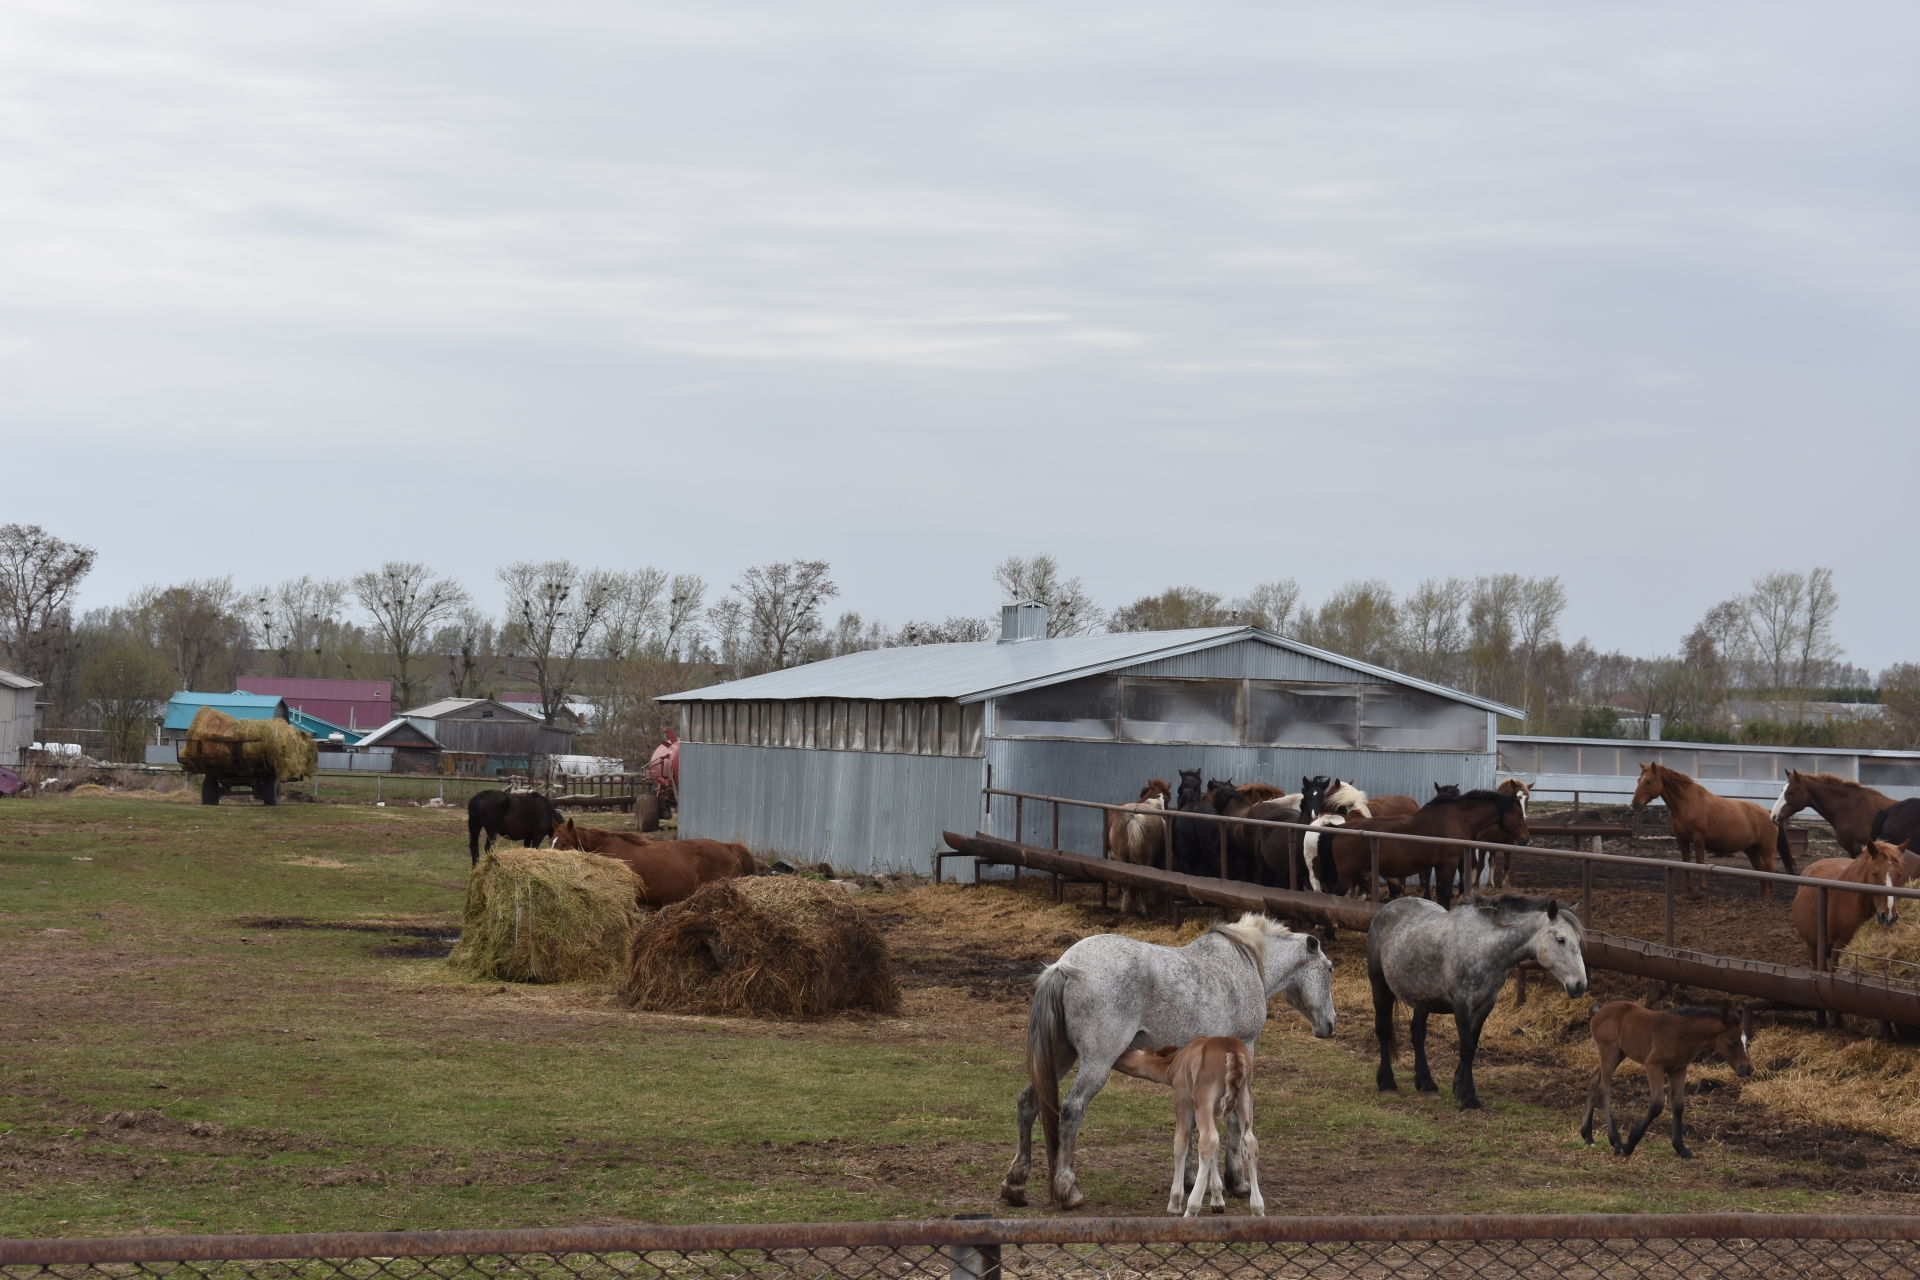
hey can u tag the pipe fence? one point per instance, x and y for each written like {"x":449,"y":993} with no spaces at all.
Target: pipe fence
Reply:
{"x":1483,"y":1247}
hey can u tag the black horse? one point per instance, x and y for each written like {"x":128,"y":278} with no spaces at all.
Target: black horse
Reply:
{"x":526,"y":816}
{"x":1897,"y":822}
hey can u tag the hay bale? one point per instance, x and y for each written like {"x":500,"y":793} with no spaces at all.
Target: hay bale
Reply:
{"x":767,"y":947}
{"x":1875,"y":949}
{"x":90,"y":789}
{"x":546,"y":915}
{"x":223,"y":747}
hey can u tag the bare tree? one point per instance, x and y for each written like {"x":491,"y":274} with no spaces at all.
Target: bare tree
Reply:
{"x":1816,"y":649}
{"x":197,"y":626}
{"x":298,"y":621}
{"x":1070,"y":610}
{"x":1271,"y":606}
{"x":954,"y":629}
{"x":1771,"y":612}
{"x":469,"y":644}
{"x":38,"y":574}
{"x":1359,"y":620}
{"x":1434,"y":628}
{"x":686,"y":596}
{"x":128,"y":682}
{"x":556,"y":612}
{"x":405,"y":600}
{"x":1175,"y":609}
{"x":1537,"y":621}
{"x":636,"y":614}
{"x":727,"y":624}
{"x":783,"y":602}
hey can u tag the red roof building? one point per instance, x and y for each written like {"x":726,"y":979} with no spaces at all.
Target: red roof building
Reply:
{"x":351,"y":704}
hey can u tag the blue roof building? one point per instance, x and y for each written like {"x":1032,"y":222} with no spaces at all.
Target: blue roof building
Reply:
{"x":323,"y":731}
{"x":185,"y":705}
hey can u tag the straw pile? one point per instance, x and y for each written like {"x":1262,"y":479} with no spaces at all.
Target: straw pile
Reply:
{"x":767,"y":947}
{"x":1872,"y":942}
{"x":218,"y":744}
{"x":546,"y":915}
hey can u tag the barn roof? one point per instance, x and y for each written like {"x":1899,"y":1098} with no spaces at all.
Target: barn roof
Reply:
{"x":11,"y":681}
{"x":185,"y":705}
{"x":447,"y":706}
{"x":976,"y":671}
{"x":398,"y":733}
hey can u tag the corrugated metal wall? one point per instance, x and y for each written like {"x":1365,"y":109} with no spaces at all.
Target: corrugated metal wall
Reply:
{"x":1115,"y":771}
{"x":865,"y":811}
{"x":1251,"y":660}
{"x":16,"y":723}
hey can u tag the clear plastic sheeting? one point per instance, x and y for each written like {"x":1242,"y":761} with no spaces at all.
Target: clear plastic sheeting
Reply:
{"x":1181,"y":711}
{"x":1077,"y":709}
{"x":1400,"y":719}
{"x":1889,"y":773}
{"x":1303,"y":715}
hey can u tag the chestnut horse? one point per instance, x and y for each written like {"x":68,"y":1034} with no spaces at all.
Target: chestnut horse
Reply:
{"x":1705,"y":823}
{"x":669,"y":870}
{"x":1848,"y":807}
{"x":1880,"y":864}
{"x":1486,"y":814}
{"x":1666,"y":1043}
{"x":1136,"y":834}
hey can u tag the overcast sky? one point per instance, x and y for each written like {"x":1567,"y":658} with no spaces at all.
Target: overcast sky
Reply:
{"x":1180,"y":293}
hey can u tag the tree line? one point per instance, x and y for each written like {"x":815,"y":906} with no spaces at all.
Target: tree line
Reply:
{"x":620,"y":637}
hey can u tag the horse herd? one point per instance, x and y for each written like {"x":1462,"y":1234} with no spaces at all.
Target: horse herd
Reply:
{"x":1335,"y":859}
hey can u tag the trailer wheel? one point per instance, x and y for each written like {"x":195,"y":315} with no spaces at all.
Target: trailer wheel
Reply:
{"x":268,"y":791}
{"x":209,"y":790}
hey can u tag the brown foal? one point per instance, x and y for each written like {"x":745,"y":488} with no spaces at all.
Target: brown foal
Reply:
{"x":1212,"y":1078}
{"x":1665,"y":1043}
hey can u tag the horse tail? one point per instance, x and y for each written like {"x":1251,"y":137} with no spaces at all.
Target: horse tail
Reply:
{"x":1785,"y":849}
{"x":1879,"y":828}
{"x":1049,"y":1052}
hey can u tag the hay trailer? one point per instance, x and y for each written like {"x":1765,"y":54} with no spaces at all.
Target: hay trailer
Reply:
{"x":246,"y":755}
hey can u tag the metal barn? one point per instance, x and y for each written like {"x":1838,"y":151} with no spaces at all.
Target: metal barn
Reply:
{"x":17,"y":716}
{"x":862,"y":760}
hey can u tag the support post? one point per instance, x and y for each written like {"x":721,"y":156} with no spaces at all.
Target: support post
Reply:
{"x":1822,"y":944}
{"x":1666,"y":877}
{"x":1373,"y":883}
{"x":1223,"y":851}
{"x":1586,"y":895}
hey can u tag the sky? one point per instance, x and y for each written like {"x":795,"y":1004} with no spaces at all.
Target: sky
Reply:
{"x":1209,"y":294}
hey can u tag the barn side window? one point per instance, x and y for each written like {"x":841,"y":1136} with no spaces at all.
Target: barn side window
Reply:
{"x":1397,"y":718}
{"x":796,"y":717}
{"x":949,"y":729}
{"x":856,"y":726}
{"x":1181,"y":710}
{"x":1303,"y":715}
{"x":1076,"y":709}
{"x":973,"y":721}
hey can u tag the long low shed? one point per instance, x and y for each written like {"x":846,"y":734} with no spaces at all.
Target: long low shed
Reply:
{"x":863,"y":760}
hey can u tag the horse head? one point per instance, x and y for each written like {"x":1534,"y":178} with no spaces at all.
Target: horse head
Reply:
{"x":1650,"y":786}
{"x":1451,"y":790}
{"x":1794,"y":797}
{"x":1313,"y":796}
{"x":1556,"y":934}
{"x":1190,"y":788}
{"x":1736,"y":1033}
{"x":1511,"y":819}
{"x":1156,"y":787}
{"x":1883,"y":865}
{"x":566,"y":835}
{"x":1292,"y":964}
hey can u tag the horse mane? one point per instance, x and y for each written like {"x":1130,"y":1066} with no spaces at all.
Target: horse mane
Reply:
{"x":1499,"y":799}
{"x":1155,"y":786}
{"x":1346,"y":793}
{"x":1723,"y":1012}
{"x":1249,"y":933}
{"x":1515,"y":904}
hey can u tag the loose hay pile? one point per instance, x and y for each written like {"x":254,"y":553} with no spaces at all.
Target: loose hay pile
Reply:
{"x":228,"y":748}
{"x":768,"y":947}
{"x":546,"y":915}
{"x":1879,"y":952}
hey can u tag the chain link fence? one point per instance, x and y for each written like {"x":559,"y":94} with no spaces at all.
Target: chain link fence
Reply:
{"x":1568,"y":1247}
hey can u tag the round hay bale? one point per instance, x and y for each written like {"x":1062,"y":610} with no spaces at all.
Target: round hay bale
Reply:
{"x":764,"y":947}
{"x":546,"y":915}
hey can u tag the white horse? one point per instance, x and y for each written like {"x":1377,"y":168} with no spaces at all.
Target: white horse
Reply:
{"x":1455,"y":961}
{"x":1111,"y":993}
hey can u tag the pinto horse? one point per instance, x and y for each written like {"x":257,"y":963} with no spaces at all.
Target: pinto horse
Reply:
{"x":1879,"y":863}
{"x":669,"y":870}
{"x":526,"y":816}
{"x":1486,"y":814}
{"x":1135,"y":834}
{"x":1705,"y":823}
{"x":1665,"y":1043}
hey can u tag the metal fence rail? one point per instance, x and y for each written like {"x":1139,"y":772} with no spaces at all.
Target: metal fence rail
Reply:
{"x":1497,"y":1247}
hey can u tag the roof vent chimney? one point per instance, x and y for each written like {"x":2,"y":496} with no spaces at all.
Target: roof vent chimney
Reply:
{"x":1026,"y":620}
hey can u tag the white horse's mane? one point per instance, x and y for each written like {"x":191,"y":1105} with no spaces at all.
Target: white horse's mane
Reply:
{"x":1348,"y":796}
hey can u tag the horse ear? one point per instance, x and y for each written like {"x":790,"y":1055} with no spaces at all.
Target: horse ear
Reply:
{"x":1305,"y":782}
{"x":1553,"y":909}
{"x":1313,"y":942}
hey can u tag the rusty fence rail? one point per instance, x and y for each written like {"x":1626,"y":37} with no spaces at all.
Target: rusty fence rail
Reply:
{"x":1496,"y":1247}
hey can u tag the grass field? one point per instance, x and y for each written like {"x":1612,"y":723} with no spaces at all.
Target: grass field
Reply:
{"x":226,"y":1020}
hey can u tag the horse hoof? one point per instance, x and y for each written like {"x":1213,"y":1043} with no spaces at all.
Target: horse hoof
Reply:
{"x":1470,"y":1104}
{"x":1425,"y":1086}
{"x":1683,"y":1153}
{"x":1013,"y":1195}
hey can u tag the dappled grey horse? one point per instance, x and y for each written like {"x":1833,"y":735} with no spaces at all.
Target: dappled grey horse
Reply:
{"x":1455,"y":961}
{"x":1111,"y":993}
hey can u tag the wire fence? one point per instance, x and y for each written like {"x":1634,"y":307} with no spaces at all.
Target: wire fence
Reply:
{"x":1545,"y":1247}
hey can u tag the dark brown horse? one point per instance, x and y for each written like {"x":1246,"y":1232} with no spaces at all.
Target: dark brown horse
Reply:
{"x":669,"y":870}
{"x":1705,"y":823}
{"x":1848,"y":807}
{"x":1877,"y":864}
{"x":1486,"y":814}
{"x":526,"y":816}
{"x":1666,"y":1043}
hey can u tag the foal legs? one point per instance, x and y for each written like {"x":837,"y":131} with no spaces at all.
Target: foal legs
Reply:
{"x":1657,"y":1087}
{"x":1677,"y":1096}
{"x":1602,"y":1091}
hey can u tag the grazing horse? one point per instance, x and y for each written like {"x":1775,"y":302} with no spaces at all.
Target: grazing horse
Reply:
{"x":1665,"y":1043}
{"x":1485,"y":814}
{"x":1212,"y":1078}
{"x":1705,"y":823}
{"x":669,"y":870}
{"x":526,"y":816}
{"x":1454,"y":961}
{"x":1111,"y":993}
{"x":1879,"y":863}
{"x":1848,"y":807}
{"x":1136,"y":834}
